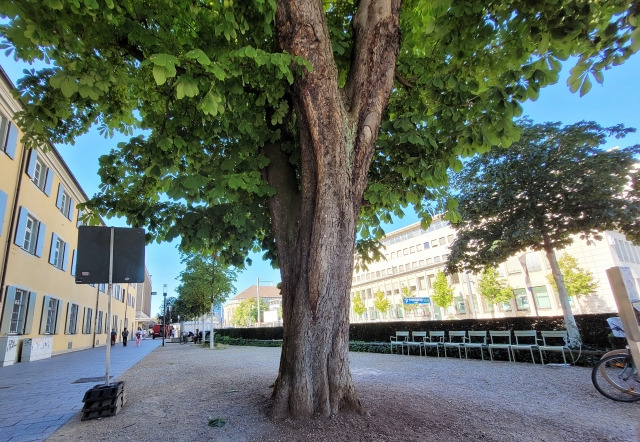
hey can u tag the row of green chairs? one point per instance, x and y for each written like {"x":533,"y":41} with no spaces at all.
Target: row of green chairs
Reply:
{"x":527,"y":340}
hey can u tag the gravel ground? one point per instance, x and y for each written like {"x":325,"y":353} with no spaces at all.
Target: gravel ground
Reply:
{"x":172,"y":393}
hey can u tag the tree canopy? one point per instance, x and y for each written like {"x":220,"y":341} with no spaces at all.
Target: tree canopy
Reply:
{"x":552,"y":184}
{"x":577,"y":281}
{"x":493,"y":288}
{"x":203,"y":282}
{"x":210,"y":88}
{"x":442,"y":291}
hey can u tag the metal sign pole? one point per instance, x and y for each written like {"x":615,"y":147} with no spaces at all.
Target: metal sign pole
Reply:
{"x":106,"y":379}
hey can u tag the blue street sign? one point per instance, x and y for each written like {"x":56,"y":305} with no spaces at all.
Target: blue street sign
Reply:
{"x":416,"y":301}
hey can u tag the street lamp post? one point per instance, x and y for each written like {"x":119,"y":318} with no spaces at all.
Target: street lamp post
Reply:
{"x":258,"y":293}
{"x":164,"y":316}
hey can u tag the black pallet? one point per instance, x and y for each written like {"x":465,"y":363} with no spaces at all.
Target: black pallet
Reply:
{"x":102,"y":392}
{"x":105,"y":412}
{"x":105,"y":403}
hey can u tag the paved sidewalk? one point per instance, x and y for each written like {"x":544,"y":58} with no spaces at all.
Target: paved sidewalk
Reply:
{"x":37,"y":397}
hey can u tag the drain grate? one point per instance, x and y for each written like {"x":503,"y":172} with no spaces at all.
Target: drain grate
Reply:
{"x":87,"y":380}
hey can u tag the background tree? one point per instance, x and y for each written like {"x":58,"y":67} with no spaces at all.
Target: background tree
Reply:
{"x":442,"y":292}
{"x":358,"y":305}
{"x":577,"y":281}
{"x":493,"y":288}
{"x":246,"y":313}
{"x":381,"y":303}
{"x":171,"y":301}
{"x":203,"y":282}
{"x":294,"y":125}
{"x":408,"y":293}
{"x":553,"y":183}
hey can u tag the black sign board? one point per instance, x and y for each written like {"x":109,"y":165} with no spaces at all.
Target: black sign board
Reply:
{"x":94,"y":245}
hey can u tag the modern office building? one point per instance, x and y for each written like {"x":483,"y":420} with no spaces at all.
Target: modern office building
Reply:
{"x":414,"y":256}
{"x":39,"y":298}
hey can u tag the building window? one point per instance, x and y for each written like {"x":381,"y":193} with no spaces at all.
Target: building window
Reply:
{"x":443,"y":241}
{"x":8,"y":136}
{"x":64,"y":202}
{"x":29,"y":233}
{"x":533,"y":262}
{"x":426,"y":245}
{"x":72,"y":319}
{"x":434,"y":243}
{"x":454,"y":278}
{"x":99,"y":323}
{"x":58,"y":254}
{"x":88,"y":316}
{"x":522,"y":303}
{"x":450,"y":239}
{"x":50,"y":317}
{"x":542,"y":297}
{"x":419,"y":248}
{"x":18,"y":311}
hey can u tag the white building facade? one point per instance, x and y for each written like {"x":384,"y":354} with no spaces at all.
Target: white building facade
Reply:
{"x":414,"y":256}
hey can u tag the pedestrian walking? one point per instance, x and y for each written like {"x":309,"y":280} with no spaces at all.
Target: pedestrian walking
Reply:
{"x":114,"y":335}
{"x":138,"y":336}
{"x":125,"y":335}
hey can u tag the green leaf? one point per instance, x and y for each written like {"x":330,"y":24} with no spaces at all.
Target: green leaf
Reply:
{"x":586,"y":87}
{"x":200,"y":56}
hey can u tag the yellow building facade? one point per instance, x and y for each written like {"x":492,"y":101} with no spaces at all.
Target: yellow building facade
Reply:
{"x":39,"y":298}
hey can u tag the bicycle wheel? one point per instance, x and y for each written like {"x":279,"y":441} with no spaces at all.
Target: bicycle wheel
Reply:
{"x":616,"y":378}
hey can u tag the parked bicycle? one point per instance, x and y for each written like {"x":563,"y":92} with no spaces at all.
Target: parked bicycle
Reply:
{"x":615,"y":376}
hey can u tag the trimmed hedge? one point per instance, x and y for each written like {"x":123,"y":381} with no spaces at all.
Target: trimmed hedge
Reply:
{"x":593,"y":329}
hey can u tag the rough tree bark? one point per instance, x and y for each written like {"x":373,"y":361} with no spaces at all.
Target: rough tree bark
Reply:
{"x":314,"y":219}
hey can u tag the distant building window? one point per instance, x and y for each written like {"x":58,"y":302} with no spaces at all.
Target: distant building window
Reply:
{"x":18,"y":311}
{"x":426,"y":245}
{"x":88,"y":316}
{"x":99,"y":323}
{"x":72,"y":319}
{"x":52,"y":306}
{"x":30,"y":233}
{"x":542,"y":297}
{"x":8,"y":136}
{"x":58,"y":255}
{"x":522,"y":303}
{"x":64,"y":202}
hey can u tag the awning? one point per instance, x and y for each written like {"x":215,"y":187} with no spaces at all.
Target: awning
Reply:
{"x":142,"y":317}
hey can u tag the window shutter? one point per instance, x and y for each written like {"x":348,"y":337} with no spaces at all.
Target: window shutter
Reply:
{"x":72,"y":205}
{"x":31,"y":167}
{"x":58,"y":316}
{"x":3,"y":207}
{"x":49,"y":182}
{"x":65,"y":255}
{"x":73,"y":263}
{"x":67,"y":323}
{"x":12,"y":140}
{"x":6,"y":317}
{"x":43,"y":318}
{"x":52,"y":251}
{"x":22,"y":226}
{"x":41,"y":231}
{"x":28,"y":323}
{"x":59,"y":198}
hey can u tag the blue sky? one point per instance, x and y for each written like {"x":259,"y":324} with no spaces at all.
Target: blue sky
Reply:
{"x":614,"y":102}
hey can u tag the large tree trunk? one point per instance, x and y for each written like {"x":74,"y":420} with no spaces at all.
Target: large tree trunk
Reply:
{"x":314,"y":215}
{"x":575,"y":340}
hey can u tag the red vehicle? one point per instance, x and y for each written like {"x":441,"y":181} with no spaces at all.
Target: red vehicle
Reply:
{"x":157,"y":331}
